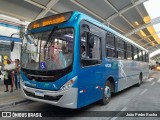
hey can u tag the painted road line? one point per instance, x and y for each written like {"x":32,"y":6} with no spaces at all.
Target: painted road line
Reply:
{"x":153,"y":83}
{"x":150,"y":79}
{"x":158,"y":80}
{"x":114,"y":118}
{"x":145,"y":90}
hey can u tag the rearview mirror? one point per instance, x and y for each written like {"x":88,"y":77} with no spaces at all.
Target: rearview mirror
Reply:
{"x":91,"y":41}
{"x":12,"y":45}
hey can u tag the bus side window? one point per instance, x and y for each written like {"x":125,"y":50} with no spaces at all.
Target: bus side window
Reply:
{"x":110,"y":45}
{"x":90,"y":49}
{"x":147,"y":57}
{"x":129,"y":51}
{"x":135,"y":53}
{"x":83,"y":49}
{"x":144,"y":56}
{"x":94,"y":47}
{"x":140,"y":55}
{"x":120,"y":49}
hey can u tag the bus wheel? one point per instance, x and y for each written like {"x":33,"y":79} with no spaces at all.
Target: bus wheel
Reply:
{"x":106,"y":94}
{"x":140,"y":80}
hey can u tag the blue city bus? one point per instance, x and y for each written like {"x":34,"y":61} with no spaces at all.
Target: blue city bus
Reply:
{"x":71,"y":60}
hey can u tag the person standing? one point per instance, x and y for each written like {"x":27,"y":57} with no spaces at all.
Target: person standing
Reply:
{"x":83,"y":52}
{"x":8,"y":75}
{"x":17,"y":74}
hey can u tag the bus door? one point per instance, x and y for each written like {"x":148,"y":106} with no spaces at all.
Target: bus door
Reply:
{"x":90,"y":75}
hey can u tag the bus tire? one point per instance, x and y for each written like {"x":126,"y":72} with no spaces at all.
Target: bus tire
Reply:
{"x":140,"y":80}
{"x":106,"y":93}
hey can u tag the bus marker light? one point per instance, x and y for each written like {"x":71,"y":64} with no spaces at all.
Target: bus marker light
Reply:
{"x":98,"y":87}
{"x":82,"y":91}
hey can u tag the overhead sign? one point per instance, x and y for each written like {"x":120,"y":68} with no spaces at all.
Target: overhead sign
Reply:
{"x":55,"y":19}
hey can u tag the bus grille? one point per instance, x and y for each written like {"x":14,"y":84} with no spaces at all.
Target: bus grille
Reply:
{"x":46,"y":97}
{"x":46,"y":76}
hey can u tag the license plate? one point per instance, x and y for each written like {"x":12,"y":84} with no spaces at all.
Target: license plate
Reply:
{"x":39,"y":93}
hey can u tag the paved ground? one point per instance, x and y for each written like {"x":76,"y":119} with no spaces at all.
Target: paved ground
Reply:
{"x":143,"y":98}
{"x":8,"y":98}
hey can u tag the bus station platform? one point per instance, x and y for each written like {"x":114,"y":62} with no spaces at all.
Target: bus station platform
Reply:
{"x":8,"y":99}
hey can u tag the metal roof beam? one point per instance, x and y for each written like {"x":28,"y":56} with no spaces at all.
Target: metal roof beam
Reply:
{"x":143,"y":44}
{"x":86,"y":9}
{"x":111,"y":6}
{"x":3,"y":17}
{"x":139,"y":12}
{"x":146,"y":38}
{"x":147,"y":44}
{"x":116,"y":28}
{"x":40,"y":6}
{"x":75,"y":2}
{"x":149,"y":35}
{"x":127,"y":21}
{"x":48,"y":8}
{"x":152,"y":47}
{"x":94,"y":14}
{"x":118,"y":12}
{"x":137,"y":9}
{"x":122,"y":15}
{"x":123,"y":10}
{"x":152,"y":22}
{"x":15,"y":15}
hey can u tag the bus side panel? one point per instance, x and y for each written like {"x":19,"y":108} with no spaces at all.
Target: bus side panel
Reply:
{"x":145,"y":70}
{"x":129,"y":72}
{"x":111,"y":70}
{"x":90,"y":82}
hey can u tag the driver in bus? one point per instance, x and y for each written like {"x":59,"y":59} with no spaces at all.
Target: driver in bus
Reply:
{"x":83,"y":52}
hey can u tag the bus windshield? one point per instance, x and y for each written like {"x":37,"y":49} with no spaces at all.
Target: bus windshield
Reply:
{"x":41,"y":52}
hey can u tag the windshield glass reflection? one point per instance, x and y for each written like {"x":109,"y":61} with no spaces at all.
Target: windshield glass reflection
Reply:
{"x":39,"y":52}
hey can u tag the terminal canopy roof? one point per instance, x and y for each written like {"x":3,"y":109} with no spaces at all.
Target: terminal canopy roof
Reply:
{"x":129,"y":17}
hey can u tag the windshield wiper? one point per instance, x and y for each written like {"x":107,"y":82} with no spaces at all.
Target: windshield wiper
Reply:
{"x":49,"y":39}
{"x":50,"y":35}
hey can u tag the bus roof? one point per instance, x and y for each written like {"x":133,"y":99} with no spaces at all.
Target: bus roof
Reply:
{"x":110,"y":30}
{"x":63,"y":17}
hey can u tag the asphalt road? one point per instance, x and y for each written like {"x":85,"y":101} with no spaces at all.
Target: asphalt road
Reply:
{"x":144,"y":98}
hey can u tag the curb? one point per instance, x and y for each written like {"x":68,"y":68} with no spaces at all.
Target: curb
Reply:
{"x":13,"y":103}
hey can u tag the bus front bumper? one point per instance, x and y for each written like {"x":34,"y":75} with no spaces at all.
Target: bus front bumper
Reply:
{"x":66,"y":99}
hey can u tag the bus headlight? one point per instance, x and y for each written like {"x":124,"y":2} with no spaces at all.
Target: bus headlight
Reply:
{"x":68,"y":84}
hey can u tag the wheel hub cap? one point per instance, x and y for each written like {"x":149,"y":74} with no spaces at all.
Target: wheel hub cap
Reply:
{"x":107,"y":92}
